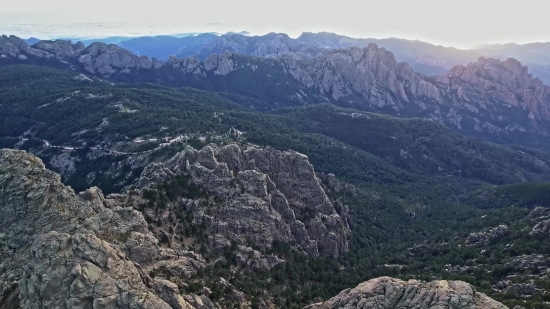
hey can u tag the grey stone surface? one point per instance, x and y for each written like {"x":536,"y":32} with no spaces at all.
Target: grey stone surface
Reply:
{"x":389,"y":293}
{"x":486,"y":236}
{"x":265,"y":195}
{"x":59,"y":249}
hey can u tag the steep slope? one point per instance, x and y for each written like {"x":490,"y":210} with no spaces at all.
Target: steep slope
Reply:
{"x":266,"y":196}
{"x":388,"y":293}
{"x":506,"y":83}
{"x":535,"y":55}
{"x":192,"y":44}
{"x":489,"y":98}
{"x":370,"y":72}
{"x":402,"y":196}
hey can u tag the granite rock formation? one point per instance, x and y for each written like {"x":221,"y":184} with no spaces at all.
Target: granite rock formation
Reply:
{"x":65,"y":250}
{"x":371,"y":72}
{"x":264,"y":196}
{"x":491,"y":82}
{"x":389,"y":293}
{"x":270,"y":45}
{"x":540,"y":217}
{"x":486,"y":236}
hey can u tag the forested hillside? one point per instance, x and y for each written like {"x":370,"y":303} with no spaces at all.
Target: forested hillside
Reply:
{"x":416,"y":190}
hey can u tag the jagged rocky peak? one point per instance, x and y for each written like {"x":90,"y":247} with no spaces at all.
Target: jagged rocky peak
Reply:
{"x":389,"y":293}
{"x":488,"y":96}
{"x":219,"y":64}
{"x":11,"y":46}
{"x":107,"y":59}
{"x":60,"y":47}
{"x":15,"y":47}
{"x":65,"y":250}
{"x":264,"y":195}
{"x":499,"y":82}
{"x":371,"y":72}
{"x":277,"y":44}
{"x":269,"y":45}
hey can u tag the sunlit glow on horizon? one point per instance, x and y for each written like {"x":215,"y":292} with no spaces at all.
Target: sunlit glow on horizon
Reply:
{"x":465,"y":24}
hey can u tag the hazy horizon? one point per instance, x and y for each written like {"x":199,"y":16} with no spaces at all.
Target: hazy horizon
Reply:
{"x":463,"y":25}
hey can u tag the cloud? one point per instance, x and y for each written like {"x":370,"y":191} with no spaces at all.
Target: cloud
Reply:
{"x":214,"y":24}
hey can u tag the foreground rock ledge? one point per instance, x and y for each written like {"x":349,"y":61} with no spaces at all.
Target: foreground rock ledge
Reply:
{"x":389,"y":293}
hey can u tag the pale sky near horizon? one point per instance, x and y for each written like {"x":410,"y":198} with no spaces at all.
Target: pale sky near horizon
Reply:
{"x":461,"y":24}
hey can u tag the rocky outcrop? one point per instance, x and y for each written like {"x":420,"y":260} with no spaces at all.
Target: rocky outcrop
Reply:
{"x":520,"y":289}
{"x":253,"y":259}
{"x":8,"y":48}
{"x":389,"y":293}
{"x":540,"y":216}
{"x":487,"y":236}
{"x":222,"y":64}
{"x":60,"y":48}
{"x":14,"y":47}
{"x":371,"y":72}
{"x":59,"y":249}
{"x":64,"y":164}
{"x":537,"y":263}
{"x":264,"y":196}
{"x":541,"y":228}
{"x":82,"y":271}
{"x":496,"y":82}
{"x":107,"y":59}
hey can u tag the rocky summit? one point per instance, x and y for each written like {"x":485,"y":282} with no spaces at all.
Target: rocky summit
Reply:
{"x":496,"y":82}
{"x":264,"y":196}
{"x":389,"y":293}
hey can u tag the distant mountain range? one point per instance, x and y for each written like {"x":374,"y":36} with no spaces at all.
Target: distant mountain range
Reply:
{"x":492,"y":99}
{"x":425,"y":58}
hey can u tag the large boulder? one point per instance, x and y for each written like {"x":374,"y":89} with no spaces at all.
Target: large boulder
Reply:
{"x":390,"y":293}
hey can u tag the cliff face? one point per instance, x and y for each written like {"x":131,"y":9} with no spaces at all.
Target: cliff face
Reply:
{"x":491,"y":81}
{"x":389,"y":293}
{"x":371,"y":72}
{"x":264,"y":196}
{"x":480,"y":88}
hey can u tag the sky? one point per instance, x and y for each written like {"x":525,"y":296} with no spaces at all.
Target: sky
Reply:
{"x":462,"y":24}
